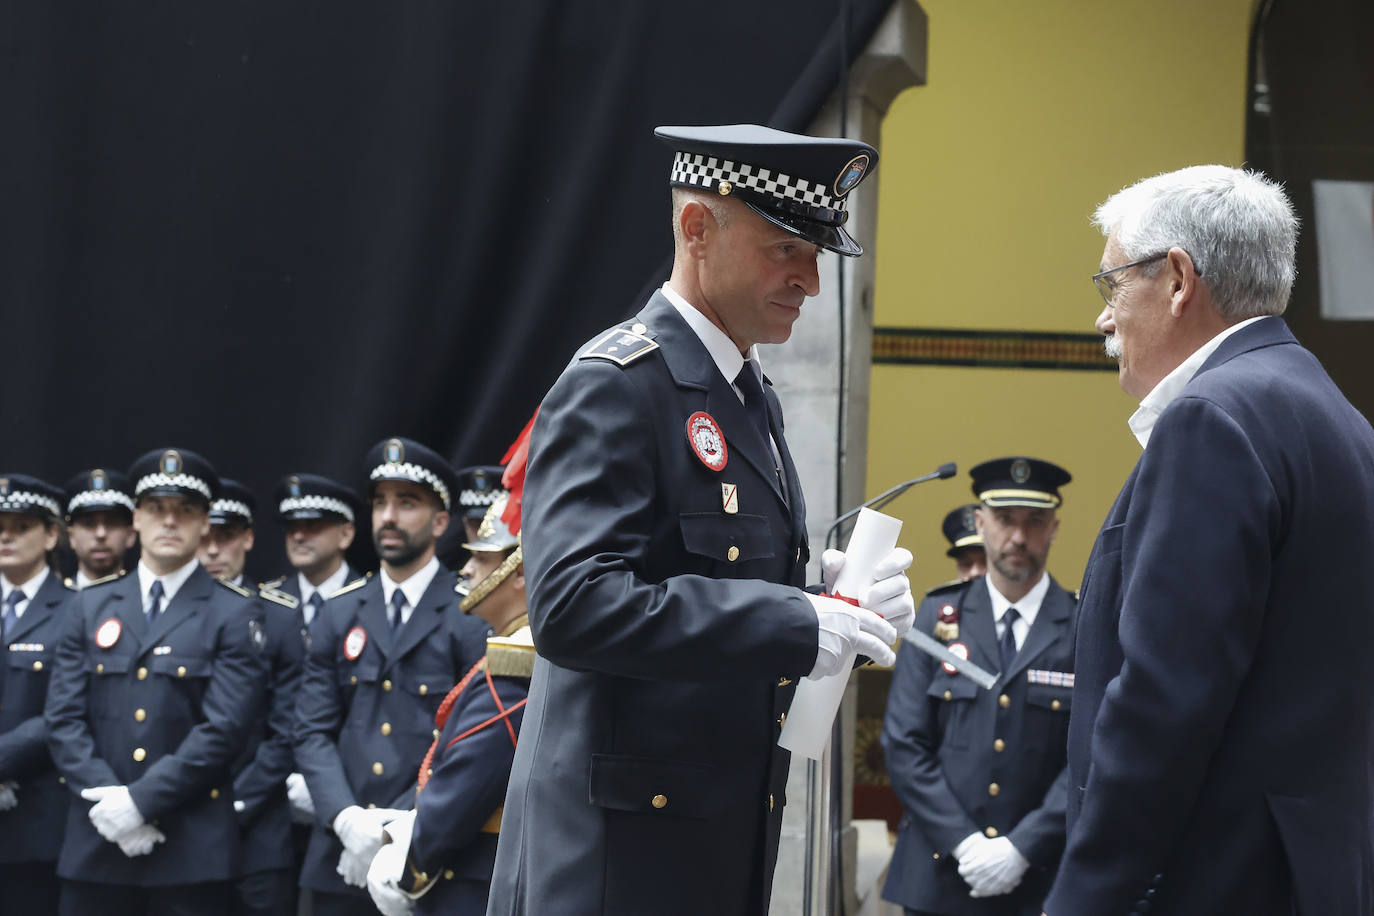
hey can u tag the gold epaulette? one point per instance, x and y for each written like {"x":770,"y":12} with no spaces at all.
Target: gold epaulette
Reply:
{"x":280,"y":597}
{"x":948,"y":586}
{"x":105,"y":580}
{"x":511,"y":656}
{"x":355,"y":584}
{"x":239,"y":589}
{"x":621,"y":346}
{"x":273,"y":583}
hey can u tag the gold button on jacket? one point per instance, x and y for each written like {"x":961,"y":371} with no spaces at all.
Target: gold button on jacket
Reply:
{"x":659,"y":801}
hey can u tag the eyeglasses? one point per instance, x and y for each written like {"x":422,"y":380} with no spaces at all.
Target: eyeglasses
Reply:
{"x":1107,"y":288}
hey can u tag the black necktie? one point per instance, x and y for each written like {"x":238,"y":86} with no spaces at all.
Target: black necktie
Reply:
{"x":12,"y":611}
{"x":1008,"y":638}
{"x":154,"y":600}
{"x":398,"y":601}
{"x":754,"y":403}
{"x":316,"y":602}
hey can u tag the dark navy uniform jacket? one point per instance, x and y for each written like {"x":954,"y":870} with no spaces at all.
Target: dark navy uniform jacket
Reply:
{"x":965,"y":760}
{"x":364,"y":725}
{"x":268,"y":758}
{"x":670,"y":633}
{"x":459,"y":810}
{"x":32,"y":830}
{"x":1219,"y":749}
{"x":164,"y":711}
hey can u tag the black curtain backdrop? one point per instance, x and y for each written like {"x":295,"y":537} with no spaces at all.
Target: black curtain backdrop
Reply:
{"x":275,"y":233}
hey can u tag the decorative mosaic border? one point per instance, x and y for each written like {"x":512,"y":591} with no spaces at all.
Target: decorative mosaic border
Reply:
{"x":990,"y":349}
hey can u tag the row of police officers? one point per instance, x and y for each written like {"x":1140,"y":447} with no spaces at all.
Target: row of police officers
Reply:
{"x":174,"y":742}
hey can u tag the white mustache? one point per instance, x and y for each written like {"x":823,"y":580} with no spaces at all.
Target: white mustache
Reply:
{"x":1112,"y":346}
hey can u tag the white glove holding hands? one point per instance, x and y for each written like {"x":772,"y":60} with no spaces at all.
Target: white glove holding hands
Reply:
{"x":140,"y":841}
{"x":114,"y":812}
{"x":889,"y":594}
{"x":844,"y":630}
{"x":298,"y":794}
{"x":352,"y":868}
{"x":8,"y":798}
{"x":993,"y":867}
{"x":382,"y":875}
{"x":360,"y":831}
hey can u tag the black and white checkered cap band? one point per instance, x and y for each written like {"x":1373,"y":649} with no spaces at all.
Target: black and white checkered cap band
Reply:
{"x":476,"y":498}
{"x":99,"y":498}
{"x":179,"y":481}
{"x":416,"y":473}
{"x":24,"y":501}
{"x":317,"y":503}
{"x":708,"y":172}
{"x":231,"y":507}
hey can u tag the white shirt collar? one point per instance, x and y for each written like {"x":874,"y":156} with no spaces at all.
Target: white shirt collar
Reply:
{"x":328,"y":587}
{"x":1029,"y":605}
{"x":171,"y":583}
{"x":1142,"y":422}
{"x":723,"y":351}
{"x":413,"y":588}
{"x":29,"y":589}
{"x":82,"y":580}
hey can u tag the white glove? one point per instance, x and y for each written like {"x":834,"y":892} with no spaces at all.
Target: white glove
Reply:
{"x":387,"y":867}
{"x":844,"y":630}
{"x":140,"y":841}
{"x":7,"y":797}
{"x":993,"y":868}
{"x":888,"y":595}
{"x":360,"y":831}
{"x":298,"y":794}
{"x":114,"y":812}
{"x":352,"y":868}
{"x":967,"y":845}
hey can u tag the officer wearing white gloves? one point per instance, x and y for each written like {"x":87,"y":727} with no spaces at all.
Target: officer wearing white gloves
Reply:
{"x":980,"y":773}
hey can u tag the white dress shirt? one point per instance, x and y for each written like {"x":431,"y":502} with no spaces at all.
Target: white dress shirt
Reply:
{"x":413,"y":588}
{"x":171,"y":583}
{"x":1027,"y":608}
{"x":327,"y":587}
{"x":1142,"y":422}
{"x":28,"y":590}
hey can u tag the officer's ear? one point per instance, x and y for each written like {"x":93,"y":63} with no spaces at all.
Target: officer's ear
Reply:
{"x":440,"y":523}
{"x":248,"y":540}
{"x":517,"y":578}
{"x":694,"y":222}
{"x":346,"y":534}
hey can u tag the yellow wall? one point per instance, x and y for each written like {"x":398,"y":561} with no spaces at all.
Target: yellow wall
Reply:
{"x":1034,"y":112}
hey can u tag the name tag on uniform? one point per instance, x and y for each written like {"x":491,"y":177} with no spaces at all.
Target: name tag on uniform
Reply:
{"x":26,"y":647}
{"x":1050,"y":678}
{"x":162,"y":650}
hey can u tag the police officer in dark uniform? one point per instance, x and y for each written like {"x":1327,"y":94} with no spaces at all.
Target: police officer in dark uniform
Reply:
{"x":446,"y":867}
{"x":224,"y":551}
{"x":33,"y":802}
{"x":981,"y":773}
{"x":156,"y":682}
{"x":100,"y":523}
{"x":383,"y":653}
{"x":960,"y":528}
{"x":479,"y":487}
{"x":665,"y":550}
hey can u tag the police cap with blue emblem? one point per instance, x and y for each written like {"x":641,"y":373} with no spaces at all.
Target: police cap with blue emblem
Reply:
{"x":961,"y":529}
{"x":99,"y":490}
{"x":233,"y":505}
{"x":308,"y":496}
{"x":479,"y":488}
{"x":22,"y":494}
{"x":1019,"y":482}
{"x":174,"y":472}
{"x":406,"y":459}
{"x":797,"y":182}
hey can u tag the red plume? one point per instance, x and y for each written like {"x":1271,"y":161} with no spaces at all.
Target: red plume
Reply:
{"x":514,"y":477}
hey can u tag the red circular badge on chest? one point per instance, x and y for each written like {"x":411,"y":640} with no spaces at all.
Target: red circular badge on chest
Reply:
{"x":107,"y":634}
{"x":958,"y":649}
{"x":354,"y":643}
{"x":706,"y":439}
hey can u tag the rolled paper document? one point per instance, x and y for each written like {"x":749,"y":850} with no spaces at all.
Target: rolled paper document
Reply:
{"x":812,"y":716}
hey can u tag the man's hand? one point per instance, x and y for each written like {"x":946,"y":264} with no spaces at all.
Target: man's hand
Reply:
{"x":888,"y":595}
{"x":352,"y":868}
{"x":993,"y":868}
{"x":114,"y":812}
{"x":8,"y":799}
{"x":382,"y":876}
{"x":298,"y":794}
{"x":360,"y":831}
{"x":140,"y":841}
{"x":844,"y":630}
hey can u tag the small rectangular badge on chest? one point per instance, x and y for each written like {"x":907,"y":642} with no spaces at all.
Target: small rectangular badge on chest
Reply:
{"x":162,"y":650}
{"x":729,"y":497}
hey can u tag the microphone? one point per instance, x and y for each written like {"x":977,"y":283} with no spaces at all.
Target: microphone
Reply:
{"x":943,"y":472}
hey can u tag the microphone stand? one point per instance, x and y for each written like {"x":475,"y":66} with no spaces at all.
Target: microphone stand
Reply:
{"x":943,"y":472}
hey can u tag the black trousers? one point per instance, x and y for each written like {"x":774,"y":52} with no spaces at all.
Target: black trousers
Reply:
{"x":84,"y":898}
{"x":343,"y":904}
{"x":266,"y":893}
{"x":29,"y":888}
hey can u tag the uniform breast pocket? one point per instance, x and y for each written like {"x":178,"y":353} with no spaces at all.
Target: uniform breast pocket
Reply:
{"x":954,"y":698}
{"x":31,"y":661}
{"x":1047,"y":715}
{"x":727,"y":538}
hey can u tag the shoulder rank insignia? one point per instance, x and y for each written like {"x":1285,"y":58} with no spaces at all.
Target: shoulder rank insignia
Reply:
{"x":949,"y":586}
{"x":238,"y":589}
{"x":621,"y":346}
{"x":105,"y":580}
{"x":279,"y":597}
{"x":355,"y":584}
{"x":511,"y":656}
{"x":273,"y":583}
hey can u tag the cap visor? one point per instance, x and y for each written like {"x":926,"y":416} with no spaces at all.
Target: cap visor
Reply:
{"x":831,"y":238}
